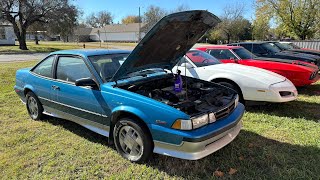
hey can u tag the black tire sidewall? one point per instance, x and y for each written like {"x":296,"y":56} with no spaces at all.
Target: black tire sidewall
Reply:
{"x":235,"y":88}
{"x":40,"y":108}
{"x":146,"y":139}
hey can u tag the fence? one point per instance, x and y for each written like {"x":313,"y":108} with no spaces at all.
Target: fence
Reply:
{"x":308,"y":44}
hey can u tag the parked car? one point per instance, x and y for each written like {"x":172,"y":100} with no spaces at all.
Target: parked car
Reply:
{"x":135,"y":104}
{"x":289,"y":46}
{"x":298,"y":72}
{"x":252,"y":84}
{"x":265,"y":49}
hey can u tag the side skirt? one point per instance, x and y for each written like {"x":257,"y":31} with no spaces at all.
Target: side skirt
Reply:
{"x":93,"y":126}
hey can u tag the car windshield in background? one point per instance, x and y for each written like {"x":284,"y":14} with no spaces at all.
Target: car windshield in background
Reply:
{"x":281,"y":46}
{"x":244,"y":54}
{"x":200,"y":58}
{"x":107,"y":65}
{"x":294,"y":46}
{"x":270,"y":48}
{"x":287,"y":46}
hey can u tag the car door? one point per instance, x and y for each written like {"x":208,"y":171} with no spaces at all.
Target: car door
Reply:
{"x":83,"y":102}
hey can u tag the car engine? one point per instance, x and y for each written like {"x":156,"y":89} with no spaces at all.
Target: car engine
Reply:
{"x":196,"y":97}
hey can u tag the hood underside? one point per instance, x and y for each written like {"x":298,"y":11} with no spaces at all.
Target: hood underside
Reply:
{"x":168,"y":41}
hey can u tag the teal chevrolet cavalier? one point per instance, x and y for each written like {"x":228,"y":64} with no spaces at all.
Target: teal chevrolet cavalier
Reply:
{"x":136,"y":104}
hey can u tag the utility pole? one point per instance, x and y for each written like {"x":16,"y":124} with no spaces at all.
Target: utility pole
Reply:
{"x":139,"y":36}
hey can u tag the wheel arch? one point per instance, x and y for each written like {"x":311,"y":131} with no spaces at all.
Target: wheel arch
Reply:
{"x":217,"y":80}
{"x":117,"y":115}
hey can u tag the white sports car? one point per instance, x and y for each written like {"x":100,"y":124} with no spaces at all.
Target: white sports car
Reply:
{"x":251,"y":83}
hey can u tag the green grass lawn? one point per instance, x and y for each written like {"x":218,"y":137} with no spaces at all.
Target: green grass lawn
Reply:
{"x":50,"y":46}
{"x":278,"y":141}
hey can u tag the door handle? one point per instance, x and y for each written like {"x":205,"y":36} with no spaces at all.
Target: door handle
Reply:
{"x":55,"y":87}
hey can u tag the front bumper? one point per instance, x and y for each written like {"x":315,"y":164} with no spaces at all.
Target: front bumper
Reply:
{"x":285,"y":86}
{"x":200,"y":143}
{"x":198,"y":150}
{"x":272,"y":94}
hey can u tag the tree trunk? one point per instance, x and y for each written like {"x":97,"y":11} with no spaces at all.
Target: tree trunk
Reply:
{"x":36,"y":40}
{"x":22,"y":40}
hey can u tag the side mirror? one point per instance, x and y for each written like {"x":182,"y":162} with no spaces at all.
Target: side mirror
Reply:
{"x":86,"y":82}
{"x":187,"y":65}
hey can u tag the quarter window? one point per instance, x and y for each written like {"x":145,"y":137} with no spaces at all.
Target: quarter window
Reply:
{"x":2,"y":33}
{"x":45,"y":67}
{"x":71,"y":69}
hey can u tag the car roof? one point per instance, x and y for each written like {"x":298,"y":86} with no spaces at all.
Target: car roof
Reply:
{"x":255,"y":42}
{"x":219,"y":47}
{"x":90,"y":52}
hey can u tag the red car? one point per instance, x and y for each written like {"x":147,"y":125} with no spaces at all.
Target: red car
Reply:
{"x":298,"y":72}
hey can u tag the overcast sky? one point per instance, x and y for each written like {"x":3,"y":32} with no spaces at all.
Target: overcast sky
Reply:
{"x":122,"y":8}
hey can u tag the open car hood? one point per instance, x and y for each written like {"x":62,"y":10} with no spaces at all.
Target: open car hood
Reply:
{"x":168,"y":41}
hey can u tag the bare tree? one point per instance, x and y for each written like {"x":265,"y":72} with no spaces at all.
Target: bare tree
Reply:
{"x":153,"y":15}
{"x":233,"y":25}
{"x":23,"y":13}
{"x":99,"y":19}
{"x":181,"y":8}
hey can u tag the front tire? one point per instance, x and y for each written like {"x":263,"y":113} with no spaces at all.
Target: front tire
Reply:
{"x":132,"y":140}
{"x":34,"y":106}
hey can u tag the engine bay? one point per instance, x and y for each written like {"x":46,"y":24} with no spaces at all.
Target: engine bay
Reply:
{"x":196,"y":97}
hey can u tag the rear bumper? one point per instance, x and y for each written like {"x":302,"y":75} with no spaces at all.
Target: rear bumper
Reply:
{"x":197,"y":150}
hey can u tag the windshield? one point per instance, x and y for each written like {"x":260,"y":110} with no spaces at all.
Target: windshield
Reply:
{"x":294,"y":46}
{"x":107,"y":64}
{"x":281,"y":46}
{"x":200,"y":58}
{"x":286,"y":45}
{"x":270,"y":48}
{"x":243,"y":53}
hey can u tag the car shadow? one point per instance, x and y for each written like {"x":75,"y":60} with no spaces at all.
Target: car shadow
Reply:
{"x":294,"y":109}
{"x":312,"y":90}
{"x":78,"y":130}
{"x":251,"y":155}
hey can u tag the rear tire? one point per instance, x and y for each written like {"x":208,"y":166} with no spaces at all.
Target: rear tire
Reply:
{"x":34,"y":107}
{"x":132,"y":140}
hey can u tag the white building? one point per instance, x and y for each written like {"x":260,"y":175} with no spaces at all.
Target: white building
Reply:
{"x":118,"y":33}
{"x":7,"y":36}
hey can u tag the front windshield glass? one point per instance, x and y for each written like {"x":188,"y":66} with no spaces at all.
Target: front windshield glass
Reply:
{"x":294,"y":46}
{"x":270,"y":48}
{"x":281,"y":46}
{"x":286,"y":45}
{"x":200,"y":58}
{"x":243,"y":53}
{"x":107,"y":64}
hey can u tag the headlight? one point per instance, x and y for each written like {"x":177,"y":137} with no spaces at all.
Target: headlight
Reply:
{"x":190,"y":124}
{"x":200,"y":121}
{"x":236,"y":101}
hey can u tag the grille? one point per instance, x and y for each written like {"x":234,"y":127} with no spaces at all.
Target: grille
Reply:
{"x":225,"y":111}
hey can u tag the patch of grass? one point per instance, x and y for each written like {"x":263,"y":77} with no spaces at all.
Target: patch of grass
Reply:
{"x":278,"y":141}
{"x":50,"y":46}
